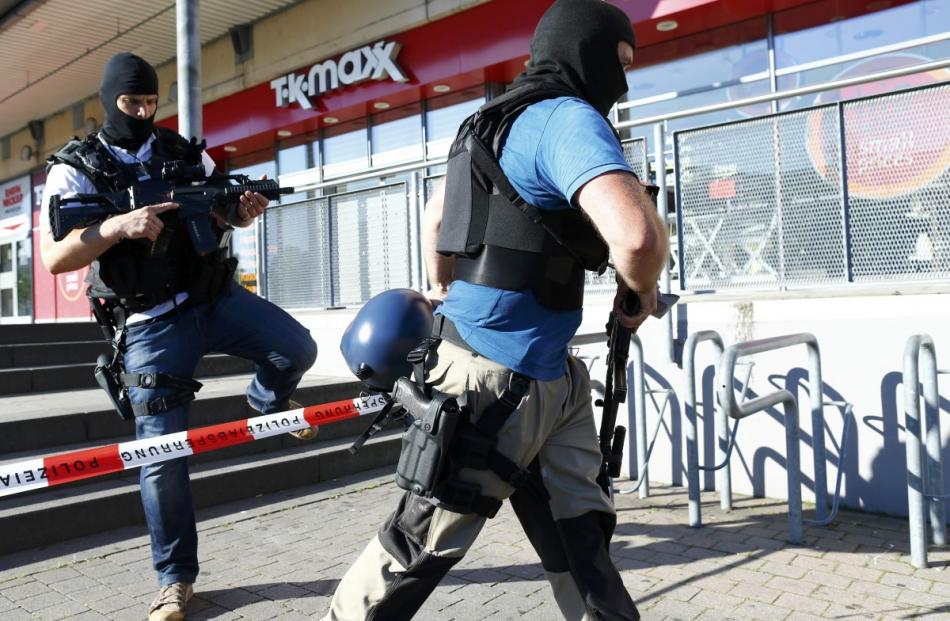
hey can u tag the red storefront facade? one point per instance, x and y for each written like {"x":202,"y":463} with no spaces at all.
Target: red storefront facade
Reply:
{"x":488,"y":43}
{"x":483,"y":45}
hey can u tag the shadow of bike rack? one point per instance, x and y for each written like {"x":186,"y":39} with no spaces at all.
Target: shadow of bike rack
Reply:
{"x":725,"y":382}
{"x":924,"y":472}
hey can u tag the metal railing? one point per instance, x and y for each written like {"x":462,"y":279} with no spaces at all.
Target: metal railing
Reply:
{"x":844,"y":194}
{"x":912,"y":276}
{"x":924,"y":471}
{"x":635,"y":150}
{"x":725,"y":380}
{"x":786,"y":94}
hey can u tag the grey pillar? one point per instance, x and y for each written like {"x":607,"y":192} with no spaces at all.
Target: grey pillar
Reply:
{"x":189,"y":69}
{"x":659,"y":151}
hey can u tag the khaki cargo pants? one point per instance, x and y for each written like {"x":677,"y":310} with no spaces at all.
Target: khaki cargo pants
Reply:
{"x":553,"y":434}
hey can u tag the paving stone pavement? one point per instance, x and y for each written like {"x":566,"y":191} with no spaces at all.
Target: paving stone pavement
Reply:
{"x":280,"y":556}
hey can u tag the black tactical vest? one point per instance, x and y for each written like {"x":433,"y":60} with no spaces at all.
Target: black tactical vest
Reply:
{"x":498,"y":239}
{"x":137,"y":273}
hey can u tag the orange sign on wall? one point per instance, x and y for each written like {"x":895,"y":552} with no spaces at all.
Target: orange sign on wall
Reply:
{"x":894,"y":146}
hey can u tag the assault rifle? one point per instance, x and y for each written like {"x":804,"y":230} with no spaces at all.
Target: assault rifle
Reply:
{"x":196,"y":194}
{"x":612,"y":436}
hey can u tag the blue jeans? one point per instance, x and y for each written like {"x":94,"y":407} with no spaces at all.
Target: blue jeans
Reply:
{"x":238,"y":323}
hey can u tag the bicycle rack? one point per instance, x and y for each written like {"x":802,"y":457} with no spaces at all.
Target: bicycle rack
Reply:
{"x":725,"y":441}
{"x":725,"y":379}
{"x":924,"y":474}
{"x":640,"y":418}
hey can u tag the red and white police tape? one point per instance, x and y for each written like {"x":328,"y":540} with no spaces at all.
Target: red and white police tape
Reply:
{"x":76,"y":465}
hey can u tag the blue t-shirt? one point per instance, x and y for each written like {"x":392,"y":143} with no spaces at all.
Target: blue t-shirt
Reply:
{"x":554,"y":147}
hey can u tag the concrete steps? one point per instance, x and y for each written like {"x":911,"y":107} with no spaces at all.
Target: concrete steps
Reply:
{"x":50,"y":404}
{"x":25,"y":355}
{"x":41,"y":425}
{"x":50,"y":357}
{"x":49,"y":332}
{"x":82,"y":509}
{"x":18,"y":381}
{"x":46,"y":422}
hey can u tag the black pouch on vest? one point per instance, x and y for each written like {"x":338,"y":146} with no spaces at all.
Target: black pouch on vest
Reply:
{"x":425,"y":445}
{"x":210,"y":279}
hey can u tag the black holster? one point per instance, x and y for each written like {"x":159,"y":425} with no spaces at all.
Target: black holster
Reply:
{"x":108,"y":377}
{"x":424,"y":459}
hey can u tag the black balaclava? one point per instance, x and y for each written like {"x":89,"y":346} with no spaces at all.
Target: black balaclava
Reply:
{"x":573,"y":54}
{"x":126,"y":74}
{"x":575,"y":46}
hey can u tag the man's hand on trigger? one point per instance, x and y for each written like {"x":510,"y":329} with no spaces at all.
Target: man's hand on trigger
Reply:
{"x":647,"y":304}
{"x":137,"y":224}
{"x":252,"y":204}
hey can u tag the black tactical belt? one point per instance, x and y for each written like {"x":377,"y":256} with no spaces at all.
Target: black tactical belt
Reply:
{"x":443,"y":328}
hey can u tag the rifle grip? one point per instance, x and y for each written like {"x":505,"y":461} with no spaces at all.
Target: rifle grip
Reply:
{"x":631,"y":303}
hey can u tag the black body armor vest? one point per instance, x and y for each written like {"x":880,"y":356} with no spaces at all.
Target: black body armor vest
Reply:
{"x":136,"y":273}
{"x":500,"y":240}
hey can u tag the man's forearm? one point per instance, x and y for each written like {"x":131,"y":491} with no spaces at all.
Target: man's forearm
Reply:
{"x":640,"y":267}
{"x":78,"y":249}
{"x":438,"y":266}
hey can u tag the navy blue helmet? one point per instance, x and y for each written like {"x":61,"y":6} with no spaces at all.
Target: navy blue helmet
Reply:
{"x":382,"y":334}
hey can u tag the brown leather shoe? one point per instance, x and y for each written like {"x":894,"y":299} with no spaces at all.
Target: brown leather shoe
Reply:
{"x":303,"y":434}
{"x":171,"y":602}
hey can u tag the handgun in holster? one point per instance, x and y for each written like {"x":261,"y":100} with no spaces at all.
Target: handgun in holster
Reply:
{"x":108,"y":371}
{"x":107,"y":376}
{"x":424,"y":459}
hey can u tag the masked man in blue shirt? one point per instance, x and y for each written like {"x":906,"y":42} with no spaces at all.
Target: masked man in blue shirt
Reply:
{"x":537,"y":191}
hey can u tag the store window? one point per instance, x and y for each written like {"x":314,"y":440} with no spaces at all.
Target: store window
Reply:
{"x":396,"y":136}
{"x":817,"y":46}
{"x":345,"y":149}
{"x":443,"y":117}
{"x":732,"y":63}
{"x":293,"y":159}
{"x":6,"y":258}
{"x":297,"y":156}
{"x":24,"y":282}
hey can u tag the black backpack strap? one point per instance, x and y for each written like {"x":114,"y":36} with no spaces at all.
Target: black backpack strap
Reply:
{"x":477,"y":445}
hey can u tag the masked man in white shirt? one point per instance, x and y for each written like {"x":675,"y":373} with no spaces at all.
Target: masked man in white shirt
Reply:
{"x":168,"y":304}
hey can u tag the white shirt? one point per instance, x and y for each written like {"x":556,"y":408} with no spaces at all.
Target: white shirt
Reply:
{"x":68,"y":181}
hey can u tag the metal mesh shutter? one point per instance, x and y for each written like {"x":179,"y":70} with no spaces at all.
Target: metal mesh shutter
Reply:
{"x":372,"y":249}
{"x":899,"y":186}
{"x":297,"y":254}
{"x":753,"y":210}
{"x":339,"y":250}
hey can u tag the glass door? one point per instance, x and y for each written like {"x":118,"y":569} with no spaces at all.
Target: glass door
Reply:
{"x":13,"y":309}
